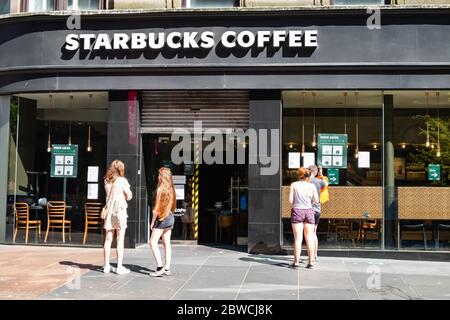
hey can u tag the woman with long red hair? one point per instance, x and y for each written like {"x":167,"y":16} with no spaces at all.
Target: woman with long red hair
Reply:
{"x":117,"y":194}
{"x":163,"y":221}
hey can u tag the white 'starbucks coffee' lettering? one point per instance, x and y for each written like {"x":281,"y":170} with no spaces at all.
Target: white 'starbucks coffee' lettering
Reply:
{"x":191,"y":40}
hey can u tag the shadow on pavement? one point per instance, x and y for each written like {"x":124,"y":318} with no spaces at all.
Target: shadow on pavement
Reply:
{"x":236,"y":248}
{"x":82,"y":265}
{"x":138,"y":269}
{"x":270,"y":261}
{"x":132,"y":267}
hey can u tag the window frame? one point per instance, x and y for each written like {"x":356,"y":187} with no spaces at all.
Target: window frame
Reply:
{"x":8,"y":11}
{"x":380,"y":3}
{"x":187,"y":4}
{"x":25,"y":6}
{"x":101,"y":5}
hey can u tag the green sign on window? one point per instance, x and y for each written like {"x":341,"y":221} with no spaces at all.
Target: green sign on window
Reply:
{"x":332,"y":150}
{"x":434,"y":172}
{"x":333,"y":176}
{"x":64,"y":161}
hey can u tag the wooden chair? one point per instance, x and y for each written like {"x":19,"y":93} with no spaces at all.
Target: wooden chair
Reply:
{"x":370,"y":229}
{"x":56,"y":219}
{"x":93,"y":220}
{"x":22,"y":216}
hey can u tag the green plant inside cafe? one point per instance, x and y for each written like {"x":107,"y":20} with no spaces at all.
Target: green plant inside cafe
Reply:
{"x":436,"y":149}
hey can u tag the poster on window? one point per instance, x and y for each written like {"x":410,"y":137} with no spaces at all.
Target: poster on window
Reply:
{"x":309,"y":159}
{"x":363,"y":159}
{"x":179,"y":191}
{"x":92,"y":193}
{"x":92,"y":175}
{"x":294,"y":160}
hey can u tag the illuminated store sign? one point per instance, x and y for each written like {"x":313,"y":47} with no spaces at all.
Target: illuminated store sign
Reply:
{"x":192,"y":40}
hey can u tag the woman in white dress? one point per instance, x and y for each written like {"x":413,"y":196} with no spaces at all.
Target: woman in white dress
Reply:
{"x":117,"y":194}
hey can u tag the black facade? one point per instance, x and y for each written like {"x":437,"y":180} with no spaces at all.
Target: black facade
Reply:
{"x":410,"y":50}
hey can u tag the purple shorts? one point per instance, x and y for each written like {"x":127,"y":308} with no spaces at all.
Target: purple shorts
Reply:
{"x":302,"y":216}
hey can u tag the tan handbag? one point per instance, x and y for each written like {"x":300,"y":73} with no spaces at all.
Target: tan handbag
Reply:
{"x":104,"y":212}
{"x":105,"y":208}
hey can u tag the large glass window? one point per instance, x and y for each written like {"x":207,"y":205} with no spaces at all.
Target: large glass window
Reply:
{"x":353,"y":215}
{"x":83,"y":5}
{"x":209,"y":3}
{"x":421,"y":167}
{"x":41,"y":5}
{"x":5,"y":7}
{"x":358,"y":2}
{"x":39,"y":124}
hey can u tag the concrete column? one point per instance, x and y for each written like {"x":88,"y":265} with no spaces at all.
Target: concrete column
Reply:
{"x":121,"y":125}
{"x":264,"y":191}
{"x":14,"y":6}
{"x":4,"y":155}
{"x":390,"y":203}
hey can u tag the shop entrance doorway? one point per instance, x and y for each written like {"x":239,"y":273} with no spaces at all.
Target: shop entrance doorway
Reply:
{"x":212,"y":199}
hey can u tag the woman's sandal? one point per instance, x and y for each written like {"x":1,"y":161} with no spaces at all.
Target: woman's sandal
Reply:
{"x":294,"y":265}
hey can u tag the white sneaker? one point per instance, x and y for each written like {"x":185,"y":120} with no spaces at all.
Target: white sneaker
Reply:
{"x":107,"y":268}
{"x":158,"y":273}
{"x":122,"y":270}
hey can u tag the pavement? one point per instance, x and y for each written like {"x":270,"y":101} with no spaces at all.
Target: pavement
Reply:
{"x":210,"y":273}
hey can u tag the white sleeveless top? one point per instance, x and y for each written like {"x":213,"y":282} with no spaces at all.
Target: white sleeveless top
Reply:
{"x":302,"y":194}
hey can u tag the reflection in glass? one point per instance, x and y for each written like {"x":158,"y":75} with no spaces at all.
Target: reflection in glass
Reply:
{"x":41,"y":5}
{"x":209,"y":3}
{"x":5,"y":7}
{"x":83,"y":5}
{"x":422,"y":190}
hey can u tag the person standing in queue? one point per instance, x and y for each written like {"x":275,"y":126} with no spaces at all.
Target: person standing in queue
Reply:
{"x":163,"y":221}
{"x":115,"y":220}
{"x":319,"y":184}
{"x":302,"y":196}
{"x":324,"y":193}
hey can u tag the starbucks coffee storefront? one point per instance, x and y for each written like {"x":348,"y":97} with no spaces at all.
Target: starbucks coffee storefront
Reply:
{"x":369,"y":102}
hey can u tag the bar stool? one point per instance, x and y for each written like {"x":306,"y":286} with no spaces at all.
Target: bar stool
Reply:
{"x":413,"y":227}
{"x":439,"y":227}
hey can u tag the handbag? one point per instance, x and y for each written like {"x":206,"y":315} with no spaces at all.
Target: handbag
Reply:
{"x":104,"y":212}
{"x":105,"y":208}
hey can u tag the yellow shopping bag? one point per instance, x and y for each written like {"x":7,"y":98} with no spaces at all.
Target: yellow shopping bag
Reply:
{"x":324,"y":195}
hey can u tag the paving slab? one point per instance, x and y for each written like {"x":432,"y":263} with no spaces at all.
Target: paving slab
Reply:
{"x":209,"y":273}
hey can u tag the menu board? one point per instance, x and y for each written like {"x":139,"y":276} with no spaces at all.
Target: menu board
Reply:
{"x":332,"y":150}
{"x":64,"y":161}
